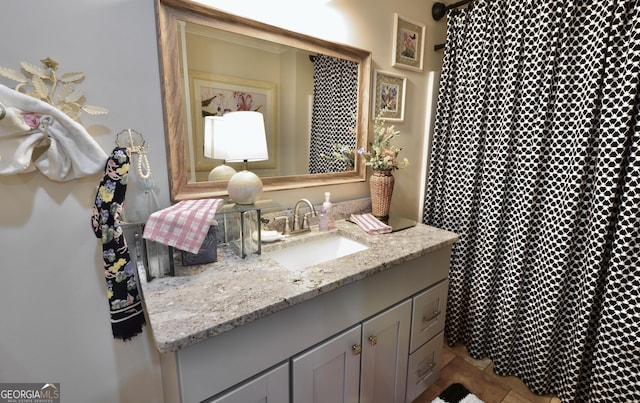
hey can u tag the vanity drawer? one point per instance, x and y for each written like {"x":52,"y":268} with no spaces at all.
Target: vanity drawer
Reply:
{"x":424,"y":367}
{"x":428,"y":314}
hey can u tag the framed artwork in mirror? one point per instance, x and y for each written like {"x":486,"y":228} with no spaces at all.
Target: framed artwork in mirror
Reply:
{"x":408,"y":43}
{"x":388,"y":96}
{"x":215,"y":94}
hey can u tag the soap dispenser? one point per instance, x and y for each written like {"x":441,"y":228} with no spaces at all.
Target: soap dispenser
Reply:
{"x":327,"y":207}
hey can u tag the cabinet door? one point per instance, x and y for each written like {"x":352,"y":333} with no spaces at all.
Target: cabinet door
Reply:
{"x":272,"y":387}
{"x":385,"y":351}
{"x":329,"y":373}
{"x":428,"y":314}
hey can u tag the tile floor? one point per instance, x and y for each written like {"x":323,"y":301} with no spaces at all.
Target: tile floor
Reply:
{"x":479,"y":378}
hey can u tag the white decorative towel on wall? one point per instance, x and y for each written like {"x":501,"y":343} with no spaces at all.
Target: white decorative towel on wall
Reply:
{"x":35,"y":135}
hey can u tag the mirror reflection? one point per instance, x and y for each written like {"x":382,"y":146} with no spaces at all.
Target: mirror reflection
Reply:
{"x":313,"y":95}
{"x":308,"y":100}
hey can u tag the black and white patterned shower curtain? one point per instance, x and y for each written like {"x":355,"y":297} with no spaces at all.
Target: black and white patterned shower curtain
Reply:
{"x":335,"y":103}
{"x":535,"y":163}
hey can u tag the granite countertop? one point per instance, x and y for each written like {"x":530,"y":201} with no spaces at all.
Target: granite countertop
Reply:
{"x":203,"y":301}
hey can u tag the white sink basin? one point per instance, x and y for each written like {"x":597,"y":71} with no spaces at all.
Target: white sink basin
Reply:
{"x":316,"y":251}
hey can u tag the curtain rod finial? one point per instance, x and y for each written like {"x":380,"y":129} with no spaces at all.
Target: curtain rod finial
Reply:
{"x":438,"y":10}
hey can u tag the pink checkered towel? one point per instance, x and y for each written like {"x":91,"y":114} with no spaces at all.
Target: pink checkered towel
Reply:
{"x":183,"y":225}
{"x":370,"y":224}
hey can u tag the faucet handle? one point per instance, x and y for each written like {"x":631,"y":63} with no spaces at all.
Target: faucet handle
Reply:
{"x":285,"y":229}
{"x":305,"y":220}
{"x":296,"y":222}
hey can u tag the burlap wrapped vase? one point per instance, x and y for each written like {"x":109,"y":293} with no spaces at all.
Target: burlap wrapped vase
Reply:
{"x":381,"y":187}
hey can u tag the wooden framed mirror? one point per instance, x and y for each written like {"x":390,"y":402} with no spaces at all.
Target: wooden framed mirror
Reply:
{"x":181,"y":73}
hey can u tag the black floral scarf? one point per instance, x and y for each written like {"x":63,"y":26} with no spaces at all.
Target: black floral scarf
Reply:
{"x":127,"y":317}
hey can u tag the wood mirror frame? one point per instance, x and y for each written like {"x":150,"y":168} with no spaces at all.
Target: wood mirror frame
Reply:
{"x":169,"y":12}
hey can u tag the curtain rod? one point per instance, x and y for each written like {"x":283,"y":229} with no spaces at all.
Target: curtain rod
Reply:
{"x":439,"y":10}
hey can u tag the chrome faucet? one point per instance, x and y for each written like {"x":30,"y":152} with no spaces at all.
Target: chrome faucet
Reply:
{"x":304,"y":227}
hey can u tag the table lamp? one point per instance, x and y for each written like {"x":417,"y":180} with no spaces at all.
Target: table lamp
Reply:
{"x":215,"y":147}
{"x":247,"y":142}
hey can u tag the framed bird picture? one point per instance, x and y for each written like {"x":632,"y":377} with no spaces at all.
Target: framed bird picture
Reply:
{"x":388,"y":96}
{"x":408,"y":43}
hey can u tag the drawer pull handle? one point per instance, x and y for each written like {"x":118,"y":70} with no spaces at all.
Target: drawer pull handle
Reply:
{"x":431,"y":318}
{"x":356,"y":349}
{"x":423,"y":373}
{"x":373,"y":340}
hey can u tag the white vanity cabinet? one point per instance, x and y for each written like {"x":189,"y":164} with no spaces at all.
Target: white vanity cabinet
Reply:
{"x":329,"y":372}
{"x":366,"y":363}
{"x":273,"y":386}
{"x":427,"y":336}
{"x":385,"y":342}
{"x":315,"y":341}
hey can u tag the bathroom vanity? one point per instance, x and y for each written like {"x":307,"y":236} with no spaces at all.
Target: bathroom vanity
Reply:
{"x":363,"y":327}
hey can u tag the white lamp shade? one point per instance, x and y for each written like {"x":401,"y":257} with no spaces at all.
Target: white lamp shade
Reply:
{"x":215,"y":147}
{"x":247,"y":140}
{"x":215,"y":137}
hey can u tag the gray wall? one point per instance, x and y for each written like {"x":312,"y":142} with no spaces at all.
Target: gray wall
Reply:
{"x":53,"y":307}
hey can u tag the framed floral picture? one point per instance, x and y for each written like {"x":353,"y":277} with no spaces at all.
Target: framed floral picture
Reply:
{"x":215,"y":94}
{"x":388,"y":96}
{"x":408,"y":43}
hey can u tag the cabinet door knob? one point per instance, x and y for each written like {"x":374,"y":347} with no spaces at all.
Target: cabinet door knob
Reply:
{"x":373,"y":340}
{"x":356,"y":349}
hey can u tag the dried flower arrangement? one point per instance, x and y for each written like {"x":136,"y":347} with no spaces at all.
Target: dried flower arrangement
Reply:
{"x":43,"y":83}
{"x":382,"y":155}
